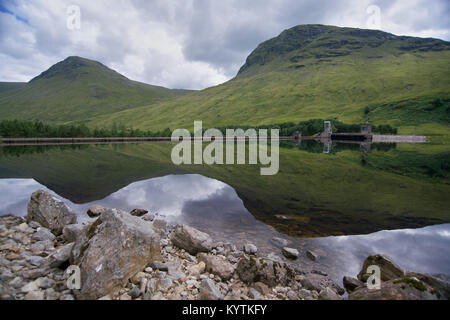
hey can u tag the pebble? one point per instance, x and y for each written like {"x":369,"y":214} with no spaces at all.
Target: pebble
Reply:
{"x":134,"y":293}
{"x":34,"y":295}
{"x":254,"y":294}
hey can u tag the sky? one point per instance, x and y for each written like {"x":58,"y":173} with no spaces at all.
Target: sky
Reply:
{"x":190,"y":44}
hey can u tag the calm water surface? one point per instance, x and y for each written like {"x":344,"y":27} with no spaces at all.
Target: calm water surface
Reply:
{"x":344,"y":204}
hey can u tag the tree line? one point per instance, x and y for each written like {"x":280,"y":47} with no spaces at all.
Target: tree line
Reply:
{"x":314,"y":126}
{"x":38,"y":129}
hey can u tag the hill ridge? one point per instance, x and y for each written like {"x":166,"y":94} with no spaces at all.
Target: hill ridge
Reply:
{"x":77,"y":89}
{"x":348,"y":74}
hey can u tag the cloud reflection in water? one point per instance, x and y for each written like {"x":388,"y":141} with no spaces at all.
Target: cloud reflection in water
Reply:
{"x":214,"y":206}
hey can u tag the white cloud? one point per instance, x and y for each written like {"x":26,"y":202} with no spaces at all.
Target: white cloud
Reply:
{"x":188,"y":44}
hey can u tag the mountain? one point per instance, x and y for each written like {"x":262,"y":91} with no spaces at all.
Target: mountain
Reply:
{"x":317,"y":71}
{"x":77,"y":89}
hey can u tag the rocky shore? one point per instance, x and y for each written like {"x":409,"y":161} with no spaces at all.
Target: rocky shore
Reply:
{"x":137,"y":256}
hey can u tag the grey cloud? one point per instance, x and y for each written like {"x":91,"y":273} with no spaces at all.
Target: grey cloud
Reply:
{"x":192,"y":43}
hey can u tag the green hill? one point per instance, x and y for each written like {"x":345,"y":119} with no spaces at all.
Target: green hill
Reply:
{"x":77,"y":89}
{"x":10,"y":87}
{"x":316,"y":71}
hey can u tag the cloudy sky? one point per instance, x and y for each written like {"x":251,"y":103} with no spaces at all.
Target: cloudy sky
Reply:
{"x":184,"y":43}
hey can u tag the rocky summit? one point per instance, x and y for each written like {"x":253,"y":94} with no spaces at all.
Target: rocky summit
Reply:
{"x":125,"y":256}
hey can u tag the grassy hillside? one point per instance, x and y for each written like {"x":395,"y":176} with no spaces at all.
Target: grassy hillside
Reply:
{"x":315,"y":71}
{"x":10,"y":87}
{"x":76,"y":89}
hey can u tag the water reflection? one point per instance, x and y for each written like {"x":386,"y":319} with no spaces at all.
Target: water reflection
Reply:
{"x":215,"y":207}
{"x":340,"y":193}
{"x":425,"y":250}
{"x":328,"y":146}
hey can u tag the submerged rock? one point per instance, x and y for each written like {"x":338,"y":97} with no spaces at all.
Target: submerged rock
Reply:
{"x":312,"y":255}
{"x":191,"y":239}
{"x":290,"y":253}
{"x":116,"y":247}
{"x":49,"y":212}
{"x":280,"y":242}
{"x":138,"y":212}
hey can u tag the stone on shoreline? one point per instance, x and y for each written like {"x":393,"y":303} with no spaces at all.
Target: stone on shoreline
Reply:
{"x":72,"y":232}
{"x":271,"y":273}
{"x":43,"y":234}
{"x":317,"y":282}
{"x":117,"y":246}
{"x":217,"y":266}
{"x":149,"y":217}
{"x":209,"y":291}
{"x":350,"y":284}
{"x":49,"y":212}
{"x":250,"y":248}
{"x":95,"y":211}
{"x":328,"y":294}
{"x":159,"y":265}
{"x":60,"y":256}
{"x":191,"y":239}
{"x":405,"y":288}
{"x":398,"y":285}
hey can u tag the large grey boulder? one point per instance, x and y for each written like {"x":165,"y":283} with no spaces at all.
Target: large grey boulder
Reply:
{"x":397,"y":285}
{"x":115,"y":248}
{"x":272,"y":273}
{"x":216,"y":265}
{"x":389,"y":270}
{"x":191,"y":239}
{"x":50,"y":212}
{"x":79,"y":234}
